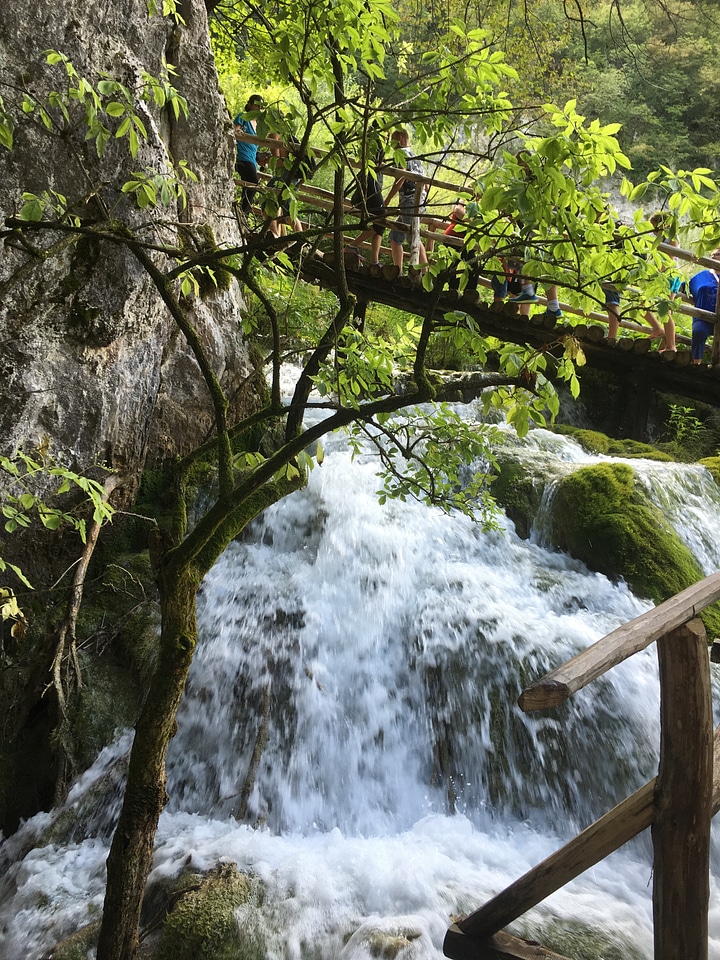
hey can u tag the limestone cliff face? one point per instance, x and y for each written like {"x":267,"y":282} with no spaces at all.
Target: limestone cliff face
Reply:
{"x":91,"y":364}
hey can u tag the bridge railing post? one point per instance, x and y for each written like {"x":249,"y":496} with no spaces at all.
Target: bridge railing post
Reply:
{"x":683,"y":796}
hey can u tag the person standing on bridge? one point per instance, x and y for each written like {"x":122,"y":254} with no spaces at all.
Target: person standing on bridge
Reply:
{"x":407,"y":207}
{"x":246,"y":156}
{"x":703,"y":290}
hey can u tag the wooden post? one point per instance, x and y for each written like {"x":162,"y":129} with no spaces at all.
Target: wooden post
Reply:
{"x":415,"y":225}
{"x":596,"y":842}
{"x":683,"y":800}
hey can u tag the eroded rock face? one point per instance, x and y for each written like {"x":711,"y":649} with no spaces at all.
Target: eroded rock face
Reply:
{"x":92,"y":366}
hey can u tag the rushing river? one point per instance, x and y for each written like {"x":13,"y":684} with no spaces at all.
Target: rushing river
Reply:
{"x":350,"y":734}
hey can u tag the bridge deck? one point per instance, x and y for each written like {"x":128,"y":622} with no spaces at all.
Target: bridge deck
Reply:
{"x":630,"y":356}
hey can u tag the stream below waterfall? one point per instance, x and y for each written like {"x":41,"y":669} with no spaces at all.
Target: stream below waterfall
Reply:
{"x":370,"y":657}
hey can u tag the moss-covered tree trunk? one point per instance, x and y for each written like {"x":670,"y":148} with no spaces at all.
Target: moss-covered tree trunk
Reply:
{"x":130,"y":857}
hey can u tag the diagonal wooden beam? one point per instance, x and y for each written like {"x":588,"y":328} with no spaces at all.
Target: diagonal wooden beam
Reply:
{"x":611,"y":831}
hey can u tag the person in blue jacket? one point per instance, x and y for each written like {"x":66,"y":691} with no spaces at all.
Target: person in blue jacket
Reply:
{"x":703,"y":290}
{"x":246,"y":160}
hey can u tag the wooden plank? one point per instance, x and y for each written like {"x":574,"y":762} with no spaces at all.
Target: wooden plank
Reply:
{"x":683,"y":801}
{"x":502,"y":946}
{"x":611,"y":831}
{"x":617,"y":646}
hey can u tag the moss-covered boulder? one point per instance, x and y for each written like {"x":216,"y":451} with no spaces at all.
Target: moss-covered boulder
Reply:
{"x":600,"y":516}
{"x":78,"y":945}
{"x":600,"y":443}
{"x":386,"y":941}
{"x":518,"y":490}
{"x":205,"y":923}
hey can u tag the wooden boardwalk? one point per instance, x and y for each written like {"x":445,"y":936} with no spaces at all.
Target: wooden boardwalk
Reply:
{"x":639,"y":368}
{"x":630,"y":358}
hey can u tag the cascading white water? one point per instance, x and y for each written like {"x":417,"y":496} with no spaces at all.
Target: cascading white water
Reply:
{"x":371,"y":658}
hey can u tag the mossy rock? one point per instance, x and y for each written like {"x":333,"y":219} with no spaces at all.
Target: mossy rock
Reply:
{"x":108,"y":701}
{"x":204,"y":923}
{"x":713,"y":465}
{"x":634,"y":449}
{"x":600,"y":516}
{"x":519,"y":492}
{"x":381,"y":943}
{"x":591,"y":440}
{"x":78,"y":945}
{"x":600,"y":443}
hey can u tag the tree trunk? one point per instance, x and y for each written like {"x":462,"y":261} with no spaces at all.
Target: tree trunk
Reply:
{"x":130,"y":857}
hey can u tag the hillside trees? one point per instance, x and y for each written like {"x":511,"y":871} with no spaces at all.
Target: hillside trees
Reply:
{"x":543,"y":206}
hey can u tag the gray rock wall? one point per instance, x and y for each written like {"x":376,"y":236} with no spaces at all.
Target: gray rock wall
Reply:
{"x":91,"y":364}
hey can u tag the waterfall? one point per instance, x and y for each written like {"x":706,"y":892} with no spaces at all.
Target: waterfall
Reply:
{"x":351,"y":736}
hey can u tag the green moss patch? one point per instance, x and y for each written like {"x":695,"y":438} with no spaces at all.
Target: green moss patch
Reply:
{"x":205,"y":923}
{"x":599,"y":443}
{"x":713,"y":465}
{"x":600,"y":516}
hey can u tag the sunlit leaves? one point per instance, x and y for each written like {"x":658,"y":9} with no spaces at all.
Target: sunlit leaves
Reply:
{"x":32,"y":490}
{"x":433,"y":456}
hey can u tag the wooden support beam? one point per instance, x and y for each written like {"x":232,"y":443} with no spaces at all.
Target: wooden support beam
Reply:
{"x":684,"y":801}
{"x":617,"y":646}
{"x":502,"y":946}
{"x":615,"y":828}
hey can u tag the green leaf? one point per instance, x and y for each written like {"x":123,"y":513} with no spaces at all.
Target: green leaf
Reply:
{"x":32,"y":210}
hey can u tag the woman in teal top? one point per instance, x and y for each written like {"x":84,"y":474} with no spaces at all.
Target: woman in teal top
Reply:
{"x":246,"y":158}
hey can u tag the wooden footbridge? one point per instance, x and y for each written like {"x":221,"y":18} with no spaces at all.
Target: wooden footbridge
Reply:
{"x":638,"y":369}
{"x":677,"y":805}
{"x":630,"y":357}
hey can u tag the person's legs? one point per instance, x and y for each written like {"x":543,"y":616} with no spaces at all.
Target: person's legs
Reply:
{"x":376,"y":242}
{"x":396,"y":249}
{"x":656,"y":330}
{"x":499,"y":289}
{"x":525,"y":297}
{"x":612,"y":307}
{"x":701,"y":330}
{"x":553,"y":304}
{"x":613,"y":318}
{"x":669,"y":338}
{"x":397,"y":239}
{"x":247,"y":171}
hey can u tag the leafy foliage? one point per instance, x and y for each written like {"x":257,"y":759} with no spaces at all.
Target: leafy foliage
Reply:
{"x":21,"y":501}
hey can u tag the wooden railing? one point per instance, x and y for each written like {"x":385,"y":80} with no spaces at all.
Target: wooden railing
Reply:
{"x":678,"y":804}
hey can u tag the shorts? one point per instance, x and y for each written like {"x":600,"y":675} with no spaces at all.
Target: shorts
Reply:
{"x":373,"y":203}
{"x":499,"y":287}
{"x":612,"y":295}
{"x":404,"y":216}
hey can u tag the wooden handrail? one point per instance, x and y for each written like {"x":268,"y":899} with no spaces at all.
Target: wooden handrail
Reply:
{"x":615,"y":828}
{"x":588,"y":665}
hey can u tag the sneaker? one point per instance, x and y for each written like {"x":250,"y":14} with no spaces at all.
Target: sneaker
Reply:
{"x":554,"y":314}
{"x":524,"y":298}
